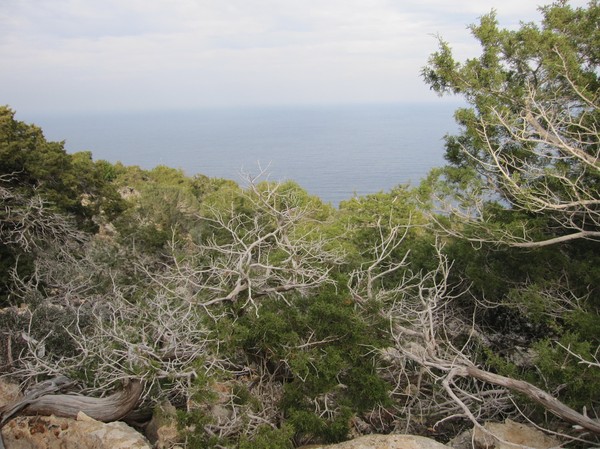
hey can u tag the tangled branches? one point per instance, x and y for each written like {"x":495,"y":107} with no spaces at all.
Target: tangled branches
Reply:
{"x":436,"y":344}
{"x":274,"y":249}
{"x":28,"y":223}
{"x":126,"y":315}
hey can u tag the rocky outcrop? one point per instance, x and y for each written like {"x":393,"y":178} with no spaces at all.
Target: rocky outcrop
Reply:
{"x":509,"y":435}
{"x":50,"y":432}
{"x":385,"y":442}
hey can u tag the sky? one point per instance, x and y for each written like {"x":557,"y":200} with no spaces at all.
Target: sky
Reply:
{"x":129,"y":55}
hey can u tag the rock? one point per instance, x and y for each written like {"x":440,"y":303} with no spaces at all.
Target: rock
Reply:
{"x":522,"y":357}
{"x":50,"y":432}
{"x":384,"y":442}
{"x":463,"y":440}
{"x":9,"y":392}
{"x":128,"y":193}
{"x":508,"y":434}
{"x":106,"y":231}
{"x":162,"y":429}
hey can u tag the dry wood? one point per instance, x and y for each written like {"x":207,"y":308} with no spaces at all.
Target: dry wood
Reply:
{"x":39,"y":400}
{"x":110,"y":408}
{"x":535,"y":394}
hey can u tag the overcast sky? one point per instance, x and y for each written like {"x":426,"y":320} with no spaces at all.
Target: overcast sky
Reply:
{"x":89,"y":55}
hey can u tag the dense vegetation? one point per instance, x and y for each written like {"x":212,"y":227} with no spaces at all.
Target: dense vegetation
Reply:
{"x":270,"y":319}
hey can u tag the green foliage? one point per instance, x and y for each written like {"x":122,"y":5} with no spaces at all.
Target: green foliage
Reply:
{"x":577,"y":382}
{"x":364,"y":221}
{"x":308,"y":425}
{"x":162,"y":206}
{"x":586,"y":321}
{"x":398,"y":206}
{"x":44,"y":168}
{"x":35,"y":162}
{"x":522,"y":172}
{"x":269,"y":438}
{"x":529,"y":90}
{"x":44,"y":189}
{"x":500,"y":364}
{"x":191,"y":425}
{"x":327,"y":349}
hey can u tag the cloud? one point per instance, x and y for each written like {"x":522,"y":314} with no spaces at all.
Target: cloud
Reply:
{"x":183,"y":53}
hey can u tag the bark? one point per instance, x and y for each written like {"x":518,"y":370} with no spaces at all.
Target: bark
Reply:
{"x":562,"y":238}
{"x":535,"y":394}
{"x":110,"y":408}
{"x":43,"y":402}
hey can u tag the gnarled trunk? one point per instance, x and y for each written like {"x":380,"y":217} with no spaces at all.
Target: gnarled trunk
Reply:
{"x":41,"y":401}
{"x":109,"y":408}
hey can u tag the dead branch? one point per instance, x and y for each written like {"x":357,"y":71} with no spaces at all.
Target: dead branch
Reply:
{"x":41,"y":401}
{"x":425,"y":327}
{"x":534,"y":393}
{"x":435,"y":351}
{"x":106,"y":409}
{"x":274,"y":250}
{"x":29,"y":223}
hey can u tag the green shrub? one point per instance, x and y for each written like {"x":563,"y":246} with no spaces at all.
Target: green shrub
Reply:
{"x":269,"y":438}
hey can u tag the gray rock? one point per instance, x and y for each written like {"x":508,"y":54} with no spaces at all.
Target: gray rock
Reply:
{"x":510,"y":434}
{"x":385,"y":442}
{"x":462,"y":441}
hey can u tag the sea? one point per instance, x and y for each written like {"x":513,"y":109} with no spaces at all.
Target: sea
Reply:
{"x":334,"y":152}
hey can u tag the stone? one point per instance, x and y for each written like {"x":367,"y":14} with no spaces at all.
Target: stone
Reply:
{"x":162,"y":429}
{"x":128,"y":193}
{"x":51,"y":432}
{"x":508,"y":434}
{"x":384,"y":442}
{"x":9,"y":392}
{"x":463,"y":440}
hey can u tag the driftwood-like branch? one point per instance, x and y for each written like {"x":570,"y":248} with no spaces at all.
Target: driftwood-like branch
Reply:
{"x":534,"y":393}
{"x":40,"y":400}
{"x":12,"y":409}
{"x":110,"y":408}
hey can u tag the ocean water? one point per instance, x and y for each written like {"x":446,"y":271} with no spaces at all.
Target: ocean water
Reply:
{"x":334,"y":152}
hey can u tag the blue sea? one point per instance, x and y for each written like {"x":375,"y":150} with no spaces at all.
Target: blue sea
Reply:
{"x":334,"y":152}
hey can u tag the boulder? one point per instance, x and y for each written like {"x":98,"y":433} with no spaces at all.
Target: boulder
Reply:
{"x":385,"y":442}
{"x":509,"y":435}
{"x":50,"y":432}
